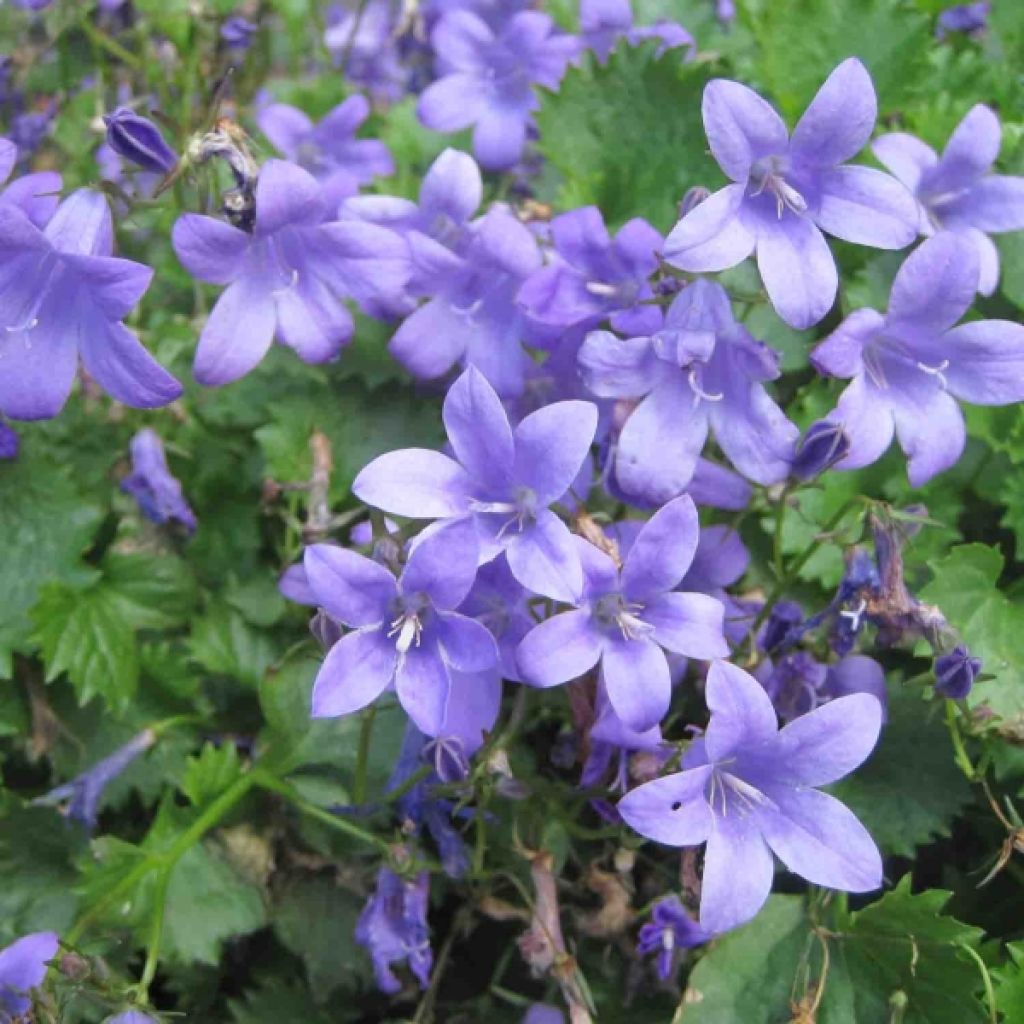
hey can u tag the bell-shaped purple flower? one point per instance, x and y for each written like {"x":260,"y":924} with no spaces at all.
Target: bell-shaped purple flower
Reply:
{"x":139,"y":141}
{"x":910,"y":365}
{"x":82,"y":795}
{"x":823,"y":445}
{"x":393,"y":928}
{"x":749,"y":790}
{"x":955,"y":672}
{"x":627,"y":620}
{"x":787,"y":190}
{"x":956,"y":192}
{"x":503,"y":479}
{"x":405,"y":631}
{"x":701,"y":371}
{"x":285,"y":279}
{"x":669,"y":930}
{"x":594,"y":277}
{"x":36,"y":195}
{"x":329,"y":149}
{"x":487,"y":79}
{"x":23,"y":968}
{"x":62,"y":298}
{"x":153,"y":486}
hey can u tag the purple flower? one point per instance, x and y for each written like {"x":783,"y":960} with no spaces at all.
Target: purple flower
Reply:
{"x":910,"y":365}
{"x":595,"y":277}
{"x":152,"y":485}
{"x":503,"y":479}
{"x":956,"y":192}
{"x":487,"y":79}
{"x":238,"y":32}
{"x":140,"y":141}
{"x":604,"y":22}
{"x":955,"y":673}
{"x":36,"y":195}
{"x":702,"y":370}
{"x":627,"y":620}
{"x":786,"y":191}
{"x":970,"y":19}
{"x":329,"y":149}
{"x":543,"y":1013}
{"x":611,"y":741}
{"x":393,"y":928}
{"x":23,"y":968}
{"x":132,"y":1017}
{"x":365,"y":35}
{"x":797,"y":683}
{"x":824,"y":444}
{"x":9,"y":442}
{"x":84,"y":793}
{"x":405,"y":631}
{"x":62,"y":297}
{"x":32,"y":5}
{"x":749,"y":789}
{"x":670,"y":929}
{"x":501,"y":603}
{"x":285,"y":278}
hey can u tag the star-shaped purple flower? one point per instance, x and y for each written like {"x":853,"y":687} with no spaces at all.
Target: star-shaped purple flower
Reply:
{"x":36,"y":195}
{"x":670,"y":929}
{"x":23,"y":968}
{"x":748,"y":790}
{"x":910,"y":365}
{"x":487,"y":79}
{"x":405,"y":631}
{"x":152,"y":484}
{"x":504,"y":479}
{"x":702,"y":370}
{"x":595,"y":277}
{"x":956,"y":192}
{"x":62,"y":298}
{"x":285,"y":279}
{"x":329,"y":149}
{"x":786,"y":191}
{"x":627,"y":620}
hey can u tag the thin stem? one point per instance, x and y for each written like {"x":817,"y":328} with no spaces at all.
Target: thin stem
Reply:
{"x":156,"y":931}
{"x":780,"y":520}
{"x":986,"y":979}
{"x":363,"y":760}
{"x":425,"y":1010}
{"x":959,"y":750}
{"x":112,"y":46}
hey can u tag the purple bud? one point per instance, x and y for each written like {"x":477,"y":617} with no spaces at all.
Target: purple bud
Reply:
{"x":238,"y":32}
{"x":137,"y":139}
{"x":448,"y":758}
{"x":781,"y":620}
{"x":955,"y":673}
{"x":823,"y":445}
{"x":9,"y":442}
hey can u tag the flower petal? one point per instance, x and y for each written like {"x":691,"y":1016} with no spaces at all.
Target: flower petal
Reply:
{"x":867,"y":419}
{"x":935,"y":285}
{"x":672,"y":809}
{"x":712,"y":236}
{"x":442,"y":562}
{"x":821,"y":840}
{"x":452,"y":187}
{"x":352,"y":589}
{"x":738,"y":873}
{"x":689,"y":624}
{"x":741,"y":127}
{"x":544,"y":559}
{"x":841,"y":353}
{"x":868,"y":207}
{"x":905,"y":156}
{"x":357,"y":670}
{"x":238,"y":332}
{"x":415,"y":482}
{"x":474,"y":701}
{"x":124,"y":368}
{"x":423,"y":684}
{"x":286,"y":194}
{"x":559,"y":649}
{"x":479,"y":432}
{"x":972,"y":149}
{"x":499,"y":137}
{"x":986,"y":362}
{"x":451,"y":103}
{"x":550,"y":446}
{"x":663,"y":550}
{"x":466,"y":645}
{"x":741,"y":711}
{"x":996,"y":203}
{"x":613,"y":367}
{"x":929,"y":427}
{"x":637,"y":681}
{"x":839,"y":121}
{"x":797,"y":268}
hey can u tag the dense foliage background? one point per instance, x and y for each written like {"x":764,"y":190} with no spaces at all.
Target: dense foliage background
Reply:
{"x":219,"y":871}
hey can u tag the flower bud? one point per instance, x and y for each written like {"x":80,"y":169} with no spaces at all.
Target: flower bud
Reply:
{"x":137,"y":139}
{"x":781,"y":620}
{"x":238,"y":32}
{"x":824,"y":444}
{"x":955,"y":672}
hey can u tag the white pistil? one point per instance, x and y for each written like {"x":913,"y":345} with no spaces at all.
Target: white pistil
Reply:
{"x":600,"y":288}
{"x":699,"y":393}
{"x":854,"y":614}
{"x":19,"y":328}
{"x":409,"y":630}
{"x":936,"y":371}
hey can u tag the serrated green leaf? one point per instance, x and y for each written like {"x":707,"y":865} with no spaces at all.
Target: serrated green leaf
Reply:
{"x":225,"y":644}
{"x":273,"y":1003}
{"x":1009,"y":983}
{"x":910,"y":789}
{"x":154,"y":591}
{"x":210,"y":772}
{"x":628,"y":136}
{"x":964,"y":587}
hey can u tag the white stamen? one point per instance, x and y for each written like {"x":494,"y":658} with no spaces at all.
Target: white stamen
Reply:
{"x":468,"y":311}
{"x":19,"y":328}
{"x":409,"y":629}
{"x":601,"y":289}
{"x":854,"y":614}
{"x":293,"y":280}
{"x":699,"y":392}
{"x":936,"y":371}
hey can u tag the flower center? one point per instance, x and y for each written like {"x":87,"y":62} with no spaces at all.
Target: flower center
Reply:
{"x":768,"y":175}
{"x":729,"y":794}
{"x":520,"y":510}
{"x":613,"y":611}
{"x":695,"y":378}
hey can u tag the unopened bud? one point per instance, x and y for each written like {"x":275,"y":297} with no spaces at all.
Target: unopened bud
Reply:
{"x":138,"y":139}
{"x":824,"y":444}
{"x":955,"y":672}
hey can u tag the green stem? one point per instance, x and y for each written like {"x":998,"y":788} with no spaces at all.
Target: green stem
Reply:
{"x":406,"y":784}
{"x":156,"y":931}
{"x":959,"y":750}
{"x":340,"y":824}
{"x":986,"y":979}
{"x":363,"y":761}
{"x":780,"y":520}
{"x":112,"y":46}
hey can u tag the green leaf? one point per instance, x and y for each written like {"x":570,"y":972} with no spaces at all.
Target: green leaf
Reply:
{"x":801,"y":41}
{"x":964,"y":587}
{"x":225,"y":644}
{"x":898,"y":951}
{"x":1009,"y":983}
{"x":628,"y":136}
{"x":47,"y":526}
{"x":155,"y":591}
{"x":315,"y":918}
{"x":273,"y":1003}
{"x":209,"y":773}
{"x":910,"y":789}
